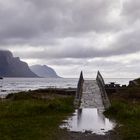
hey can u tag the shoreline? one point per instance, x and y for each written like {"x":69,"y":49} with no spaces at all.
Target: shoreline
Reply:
{"x":43,"y":92}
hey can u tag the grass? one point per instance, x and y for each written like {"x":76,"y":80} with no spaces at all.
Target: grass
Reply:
{"x":127,"y":113}
{"x":129,"y":93}
{"x":137,"y":80}
{"x":25,"y":118}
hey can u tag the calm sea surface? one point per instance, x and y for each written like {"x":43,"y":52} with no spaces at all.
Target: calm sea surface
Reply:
{"x":9,"y":85}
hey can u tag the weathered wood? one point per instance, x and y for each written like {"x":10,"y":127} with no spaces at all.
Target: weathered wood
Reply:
{"x":91,"y":93}
{"x":79,"y":90}
{"x":101,"y":84}
{"x":79,"y":86}
{"x":1,"y":83}
{"x":91,"y":96}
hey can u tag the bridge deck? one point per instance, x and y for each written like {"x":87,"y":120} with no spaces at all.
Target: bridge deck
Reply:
{"x":91,"y":95}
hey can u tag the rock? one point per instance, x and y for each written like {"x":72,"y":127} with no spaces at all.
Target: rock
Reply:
{"x":13,"y":67}
{"x":44,"y":71}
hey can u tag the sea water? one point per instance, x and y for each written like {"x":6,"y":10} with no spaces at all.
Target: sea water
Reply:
{"x":11,"y":85}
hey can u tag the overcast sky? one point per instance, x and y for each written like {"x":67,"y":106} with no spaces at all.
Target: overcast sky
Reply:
{"x":74,"y":35}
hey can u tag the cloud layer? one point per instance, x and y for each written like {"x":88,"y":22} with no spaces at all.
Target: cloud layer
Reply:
{"x":74,"y":35}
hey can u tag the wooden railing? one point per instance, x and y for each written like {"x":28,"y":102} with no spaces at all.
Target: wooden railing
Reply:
{"x":79,"y":90}
{"x":101,"y":85}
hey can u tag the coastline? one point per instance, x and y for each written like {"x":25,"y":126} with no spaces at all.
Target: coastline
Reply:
{"x":41,"y":93}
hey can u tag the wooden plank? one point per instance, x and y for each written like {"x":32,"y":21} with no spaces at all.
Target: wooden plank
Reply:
{"x":91,"y":95}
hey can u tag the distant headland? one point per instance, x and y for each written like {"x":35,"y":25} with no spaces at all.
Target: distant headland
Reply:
{"x":11,"y":66}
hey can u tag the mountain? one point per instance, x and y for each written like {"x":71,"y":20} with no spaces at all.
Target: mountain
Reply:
{"x":44,"y":71}
{"x":13,"y":67}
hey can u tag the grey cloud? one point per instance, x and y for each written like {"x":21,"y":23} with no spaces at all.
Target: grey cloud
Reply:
{"x":128,"y":42}
{"x":82,"y":52}
{"x":51,"y":19}
{"x":131,"y":10}
{"x":48,"y":24}
{"x":125,"y":43}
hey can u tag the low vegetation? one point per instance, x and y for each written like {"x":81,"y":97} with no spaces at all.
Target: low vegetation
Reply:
{"x":24,"y":117}
{"x":129,"y":93}
{"x":137,"y":80}
{"x":125,"y":110}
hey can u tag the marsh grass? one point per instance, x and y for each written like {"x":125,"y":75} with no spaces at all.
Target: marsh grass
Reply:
{"x":25,"y":118}
{"x":127,"y":114}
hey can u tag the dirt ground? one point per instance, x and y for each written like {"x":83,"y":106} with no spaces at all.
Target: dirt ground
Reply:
{"x":112,"y":135}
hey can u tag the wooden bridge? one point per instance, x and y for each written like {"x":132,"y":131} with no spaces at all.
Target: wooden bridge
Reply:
{"x":91,"y":93}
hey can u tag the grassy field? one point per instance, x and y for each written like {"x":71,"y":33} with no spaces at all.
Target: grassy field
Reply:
{"x":125,"y":110}
{"x":25,"y":118}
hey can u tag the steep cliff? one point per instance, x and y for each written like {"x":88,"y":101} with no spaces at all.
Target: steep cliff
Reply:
{"x":13,"y":67}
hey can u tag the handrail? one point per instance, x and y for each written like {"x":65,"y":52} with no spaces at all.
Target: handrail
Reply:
{"x":79,"y":89}
{"x":101,"y":84}
{"x":1,"y":83}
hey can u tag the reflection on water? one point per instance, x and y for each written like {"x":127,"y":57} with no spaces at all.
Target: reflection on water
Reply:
{"x":88,"y":119}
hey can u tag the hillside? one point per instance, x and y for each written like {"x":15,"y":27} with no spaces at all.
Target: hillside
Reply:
{"x":44,"y":71}
{"x":11,"y":66}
